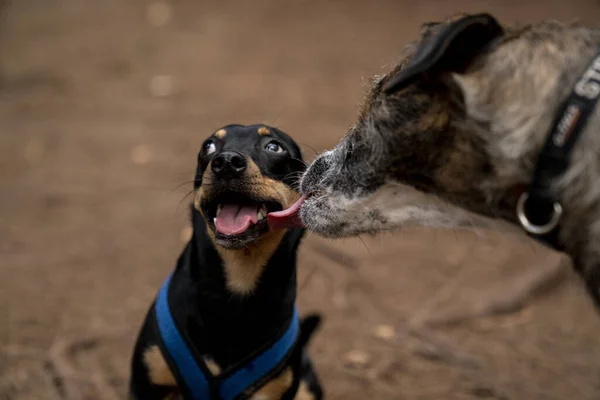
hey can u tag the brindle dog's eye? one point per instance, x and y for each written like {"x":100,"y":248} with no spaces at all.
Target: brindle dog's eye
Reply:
{"x":273,"y":147}
{"x":209,"y":148}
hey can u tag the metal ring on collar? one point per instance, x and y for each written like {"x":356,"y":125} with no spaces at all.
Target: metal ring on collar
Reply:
{"x":537,"y":229}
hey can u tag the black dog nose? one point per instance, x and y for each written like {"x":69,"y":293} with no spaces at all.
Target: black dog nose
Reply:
{"x":229,"y":165}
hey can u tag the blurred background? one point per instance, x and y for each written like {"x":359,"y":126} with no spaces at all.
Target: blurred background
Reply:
{"x":103,"y":107}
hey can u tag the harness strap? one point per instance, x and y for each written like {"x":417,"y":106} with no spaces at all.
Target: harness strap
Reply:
{"x":193,"y":374}
{"x":194,"y":379}
{"x":262,"y":365}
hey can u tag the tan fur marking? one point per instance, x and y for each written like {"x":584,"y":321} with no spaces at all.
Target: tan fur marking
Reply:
{"x":275,"y":388}
{"x":158,"y":370}
{"x":304,"y":393}
{"x":212,"y":366}
{"x":262,"y":131}
{"x":267,"y":188}
{"x":207,"y":177}
{"x":221,"y":133}
{"x":243,"y":267}
{"x":198,"y":199}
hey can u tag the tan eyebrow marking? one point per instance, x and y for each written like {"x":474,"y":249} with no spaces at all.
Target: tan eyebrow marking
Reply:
{"x":221,"y":133}
{"x":263,"y":131}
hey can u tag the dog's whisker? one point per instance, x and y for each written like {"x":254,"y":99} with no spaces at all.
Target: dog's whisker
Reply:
{"x":300,"y":160}
{"x":277,"y":116}
{"x":365,"y":245}
{"x":310,"y":147}
{"x":294,"y":175}
{"x":184,"y":198}
{"x":180,"y":185}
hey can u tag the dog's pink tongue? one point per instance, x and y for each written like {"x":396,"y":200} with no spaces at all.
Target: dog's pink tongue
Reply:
{"x":235,"y":219}
{"x":287,"y":218}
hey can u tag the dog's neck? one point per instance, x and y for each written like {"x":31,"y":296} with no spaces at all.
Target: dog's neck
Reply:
{"x":510,"y":107}
{"x":227,"y":324}
{"x":576,"y":190}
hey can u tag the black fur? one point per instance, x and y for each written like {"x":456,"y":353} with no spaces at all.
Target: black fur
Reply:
{"x":222,"y":325}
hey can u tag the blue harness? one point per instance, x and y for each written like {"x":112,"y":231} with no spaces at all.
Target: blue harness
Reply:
{"x":194,"y":374}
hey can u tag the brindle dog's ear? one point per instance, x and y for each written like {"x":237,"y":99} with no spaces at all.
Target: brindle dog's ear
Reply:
{"x":451,"y":49}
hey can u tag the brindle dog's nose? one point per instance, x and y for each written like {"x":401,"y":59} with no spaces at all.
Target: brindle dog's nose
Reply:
{"x":229,"y":165}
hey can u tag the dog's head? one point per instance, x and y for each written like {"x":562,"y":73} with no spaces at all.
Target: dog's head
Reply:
{"x":455,"y":126}
{"x":243,"y":174}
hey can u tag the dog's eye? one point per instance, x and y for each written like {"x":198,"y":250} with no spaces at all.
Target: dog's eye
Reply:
{"x":209,"y":148}
{"x":274,"y":147}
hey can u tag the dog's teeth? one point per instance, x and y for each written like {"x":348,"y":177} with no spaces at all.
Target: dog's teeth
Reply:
{"x":261,"y":213}
{"x":219,"y":209}
{"x":215,"y":221}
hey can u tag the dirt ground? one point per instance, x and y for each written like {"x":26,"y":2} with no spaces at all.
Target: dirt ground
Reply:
{"x":103,"y":106}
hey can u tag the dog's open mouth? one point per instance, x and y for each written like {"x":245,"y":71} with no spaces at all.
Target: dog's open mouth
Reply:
{"x":237,"y":219}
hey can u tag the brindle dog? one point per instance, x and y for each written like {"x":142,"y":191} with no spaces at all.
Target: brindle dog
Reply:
{"x":458,"y":126}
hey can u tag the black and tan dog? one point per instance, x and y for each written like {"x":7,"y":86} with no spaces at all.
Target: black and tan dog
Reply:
{"x":233,"y":291}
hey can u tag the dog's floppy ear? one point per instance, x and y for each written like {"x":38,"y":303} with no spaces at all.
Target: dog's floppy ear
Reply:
{"x":451,"y":49}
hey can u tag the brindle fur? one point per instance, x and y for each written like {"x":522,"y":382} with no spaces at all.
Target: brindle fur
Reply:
{"x":468,"y":140}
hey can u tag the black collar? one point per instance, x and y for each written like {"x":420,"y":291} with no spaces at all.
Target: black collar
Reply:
{"x":538,"y":210}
